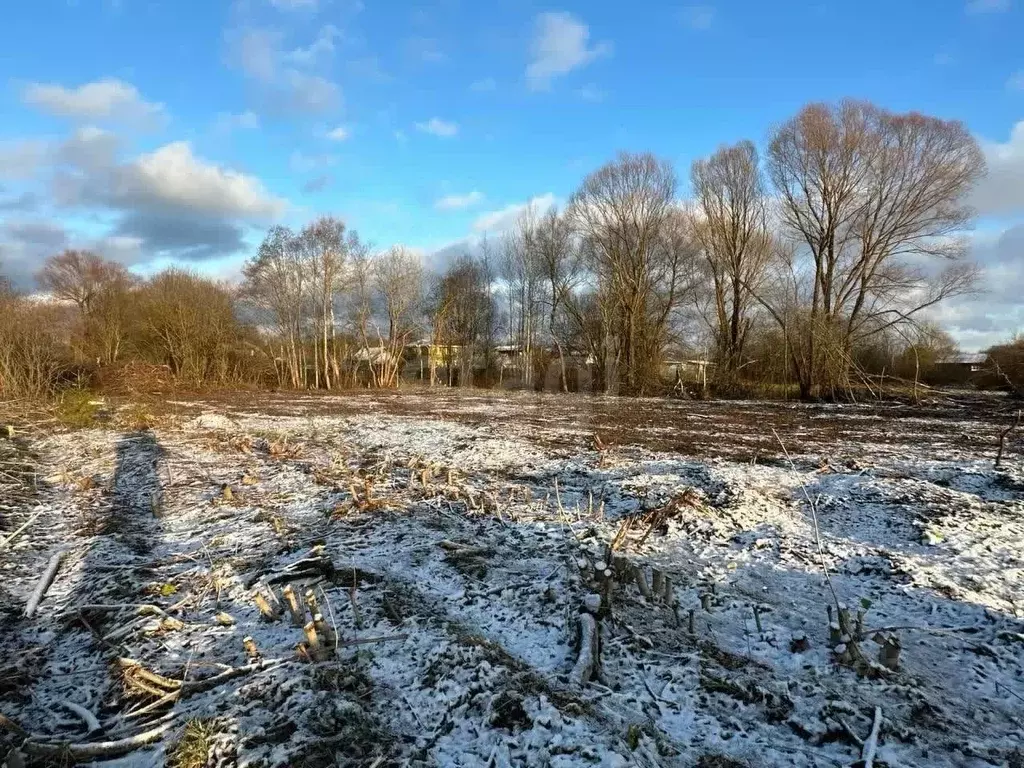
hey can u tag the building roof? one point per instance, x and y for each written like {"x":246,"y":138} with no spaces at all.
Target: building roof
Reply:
{"x":969,"y":358}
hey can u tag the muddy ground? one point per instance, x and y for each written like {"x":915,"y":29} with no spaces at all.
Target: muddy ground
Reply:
{"x":451,"y":543}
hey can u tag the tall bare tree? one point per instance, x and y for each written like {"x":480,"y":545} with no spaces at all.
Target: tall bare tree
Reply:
{"x":276,"y":287}
{"x":627,"y":213}
{"x":559,"y":263}
{"x":324,"y":246}
{"x":398,"y":283}
{"x":730,"y":226}
{"x":868,"y":196}
{"x":520,"y":270}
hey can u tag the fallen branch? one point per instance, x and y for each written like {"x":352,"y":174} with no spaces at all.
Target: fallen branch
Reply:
{"x":21,"y":529}
{"x":44,"y":584}
{"x":586,"y":662}
{"x":93,"y":750}
{"x":871,"y":745}
{"x":92,"y":725}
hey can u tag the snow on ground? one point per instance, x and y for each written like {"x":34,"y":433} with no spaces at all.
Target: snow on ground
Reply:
{"x":443,"y":536}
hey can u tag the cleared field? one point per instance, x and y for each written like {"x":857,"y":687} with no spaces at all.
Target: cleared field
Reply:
{"x":451,"y":542}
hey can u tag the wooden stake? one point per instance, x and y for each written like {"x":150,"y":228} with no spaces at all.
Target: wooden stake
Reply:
{"x":314,"y":608}
{"x":889,"y":653}
{"x":313,"y":642}
{"x":641,"y":581}
{"x":294,"y":606}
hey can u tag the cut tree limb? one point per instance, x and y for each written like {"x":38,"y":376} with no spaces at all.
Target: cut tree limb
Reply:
{"x":586,"y":663}
{"x":44,"y":584}
{"x":871,"y":744}
{"x":92,"y":725}
{"x":97,"y":749}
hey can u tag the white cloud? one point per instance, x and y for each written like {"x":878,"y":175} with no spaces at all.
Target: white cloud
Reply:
{"x":501,"y":220}
{"x":486,"y":84}
{"x":458,"y":202}
{"x":438,"y":127}
{"x":987,"y":6}
{"x":102,"y":100}
{"x":1016,"y":81}
{"x":286,"y":78}
{"x":167,"y":204}
{"x":400,"y":137}
{"x":303,"y":92}
{"x":561,"y":44}
{"x":320,"y":49}
{"x":256,"y":52}
{"x":88,"y":148}
{"x":339,"y":134}
{"x":992,"y":316}
{"x":1001,"y":191}
{"x":698,"y":17}
{"x":22,"y":158}
{"x":226,"y":122}
{"x":172,"y":176}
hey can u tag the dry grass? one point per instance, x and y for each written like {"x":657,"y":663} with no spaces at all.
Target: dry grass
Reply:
{"x":193,"y":748}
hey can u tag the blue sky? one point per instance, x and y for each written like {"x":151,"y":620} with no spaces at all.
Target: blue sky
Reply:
{"x":160,"y":131}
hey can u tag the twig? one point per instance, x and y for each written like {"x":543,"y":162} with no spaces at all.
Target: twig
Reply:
{"x":21,"y":529}
{"x":44,"y":584}
{"x":871,"y":745}
{"x":1002,"y":438}
{"x":814,"y":517}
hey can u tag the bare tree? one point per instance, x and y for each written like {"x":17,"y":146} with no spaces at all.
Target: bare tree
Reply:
{"x":190,"y":324}
{"x":275,"y":286}
{"x":626,"y":211}
{"x":463,"y":311}
{"x":521,"y":273}
{"x":398,"y":282}
{"x":100,"y":289}
{"x":866,"y":194}
{"x":324,"y":246}
{"x":80,"y":277}
{"x":731,"y":229}
{"x":558,"y":260}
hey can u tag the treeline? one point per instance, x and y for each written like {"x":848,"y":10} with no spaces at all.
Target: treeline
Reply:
{"x":807,"y":268}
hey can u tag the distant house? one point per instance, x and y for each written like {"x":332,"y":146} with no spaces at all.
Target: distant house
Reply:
{"x":962,"y":369}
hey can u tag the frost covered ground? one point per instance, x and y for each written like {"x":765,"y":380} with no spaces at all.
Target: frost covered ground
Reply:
{"x":451,"y":541}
